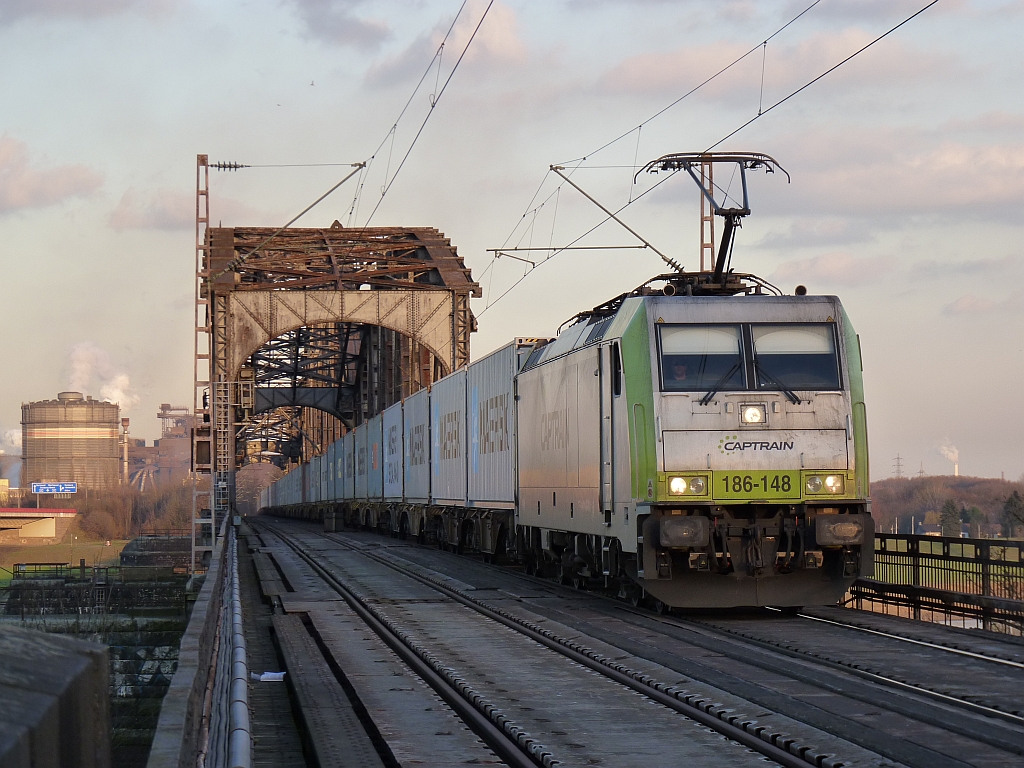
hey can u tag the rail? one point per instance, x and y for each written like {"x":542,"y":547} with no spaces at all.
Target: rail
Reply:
{"x":204,"y":720}
{"x":968,"y":582}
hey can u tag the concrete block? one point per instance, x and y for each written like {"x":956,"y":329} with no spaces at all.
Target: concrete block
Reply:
{"x":54,"y":698}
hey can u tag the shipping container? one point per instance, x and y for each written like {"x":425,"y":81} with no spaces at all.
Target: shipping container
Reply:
{"x":416,"y":439}
{"x":349,"y":486}
{"x":448,"y":444}
{"x":325,"y":475}
{"x":491,"y":429}
{"x":338,"y":470}
{"x":393,"y":453}
{"x":329,"y":467}
{"x":361,"y":463}
{"x":315,"y":477}
{"x":375,"y":450}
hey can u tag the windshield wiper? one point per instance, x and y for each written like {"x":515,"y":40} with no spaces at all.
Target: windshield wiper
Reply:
{"x":718,"y":384}
{"x":758,"y":371}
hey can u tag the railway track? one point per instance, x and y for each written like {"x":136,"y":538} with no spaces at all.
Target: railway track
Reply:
{"x":661,"y":731}
{"x":906,"y":723}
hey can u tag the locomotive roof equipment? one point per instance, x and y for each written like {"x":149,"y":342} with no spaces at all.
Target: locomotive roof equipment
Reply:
{"x":686,"y":161}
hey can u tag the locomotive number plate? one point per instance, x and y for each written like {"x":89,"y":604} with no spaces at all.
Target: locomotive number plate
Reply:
{"x":764,"y":484}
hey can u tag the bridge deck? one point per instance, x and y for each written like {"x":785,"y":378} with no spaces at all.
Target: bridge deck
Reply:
{"x":829,"y":687}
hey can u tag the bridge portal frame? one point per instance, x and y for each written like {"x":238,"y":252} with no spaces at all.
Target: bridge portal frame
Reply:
{"x":253,"y":284}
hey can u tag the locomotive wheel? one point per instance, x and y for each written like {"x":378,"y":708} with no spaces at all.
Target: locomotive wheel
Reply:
{"x":579,"y":582}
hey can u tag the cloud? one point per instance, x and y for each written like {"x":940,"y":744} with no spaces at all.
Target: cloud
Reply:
{"x":785,"y":66}
{"x":892,"y":172}
{"x":943,"y":270}
{"x":972,"y":305}
{"x":91,"y":366}
{"x":498,"y":43}
{"x":14,"y":10}
{"x":159,"y":209}
{"x":833,"y":269}
{"x":872,"y":10}
{"x":817,"y":232}
{"x":334,"y":21}
{"x":23,"y":186}
{"x":172,"y":210}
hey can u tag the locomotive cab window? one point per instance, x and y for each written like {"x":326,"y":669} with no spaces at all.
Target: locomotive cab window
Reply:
{"x":795,"y":356}
{"x":696,"y":358}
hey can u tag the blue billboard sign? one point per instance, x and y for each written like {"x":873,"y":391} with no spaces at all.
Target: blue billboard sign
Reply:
{"x":54,"y":487}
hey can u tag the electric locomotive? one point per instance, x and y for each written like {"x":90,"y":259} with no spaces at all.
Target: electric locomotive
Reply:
{"x":704,"y":444}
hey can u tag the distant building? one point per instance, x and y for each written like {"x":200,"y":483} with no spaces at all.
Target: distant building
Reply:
{"x":70,"y":439}
{"x":169,"y":460}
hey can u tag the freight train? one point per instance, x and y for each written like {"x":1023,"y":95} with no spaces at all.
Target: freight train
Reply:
{"x":699,"y":444}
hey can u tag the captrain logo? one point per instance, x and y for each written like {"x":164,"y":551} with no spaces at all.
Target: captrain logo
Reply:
{"x":731,"y":444}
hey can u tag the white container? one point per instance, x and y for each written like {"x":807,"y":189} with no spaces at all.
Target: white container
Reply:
{"x":325,"y":476}
{"x":416,"y":441}
{"x":329,"y":467}
{"x":375,"y":450}
{"x":362,"y":462}
{"x":393,"y":453}
{"x":348,"y":490}
{"x":491,"y":429}
{"x":338,"y":470}
{"x":307,"y":492}
{"x":448,"y":439}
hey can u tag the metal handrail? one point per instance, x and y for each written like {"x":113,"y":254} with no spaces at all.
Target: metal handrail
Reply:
{"x":240,"y":741}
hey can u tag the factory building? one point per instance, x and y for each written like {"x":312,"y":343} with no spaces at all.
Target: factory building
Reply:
{"x":71,"y":439}
{"x":169,"y":460}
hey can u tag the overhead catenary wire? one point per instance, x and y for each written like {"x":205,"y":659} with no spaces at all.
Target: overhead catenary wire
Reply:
{"x":363,"y":166}
{"x":828,"y":71}
{"x":759,"y":114}
{"x":556,"y":251}
{"x":577,"y":163}
{"x":697,"y":87}
{"x":433,"y":104}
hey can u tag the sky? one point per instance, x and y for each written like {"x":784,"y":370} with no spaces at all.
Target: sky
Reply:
{"x":906,"y":196}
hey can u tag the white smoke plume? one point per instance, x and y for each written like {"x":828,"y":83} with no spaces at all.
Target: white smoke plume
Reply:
{"x":91,"y":366}
{"x":118,"y":390}
{"x":950,"y":451}
{"x":9,"y":439}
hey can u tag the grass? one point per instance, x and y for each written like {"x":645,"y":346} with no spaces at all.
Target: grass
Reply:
{"x":94,"y":552}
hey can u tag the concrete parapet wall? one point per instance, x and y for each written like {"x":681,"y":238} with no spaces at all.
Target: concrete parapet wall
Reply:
{"x":54,"y":701}
{"x":176,"y":743}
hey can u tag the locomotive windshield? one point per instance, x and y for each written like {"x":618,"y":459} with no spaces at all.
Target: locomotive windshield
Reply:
{"x":780,"y":357}
{"x":797,"y":356}
{"x":697,"y":358}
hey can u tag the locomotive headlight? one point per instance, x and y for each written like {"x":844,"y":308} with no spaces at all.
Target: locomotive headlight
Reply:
{"x":825,"y":483}
{"x":687,"y":486}
{"x":834,"y":483}
{"x":752,"y":414}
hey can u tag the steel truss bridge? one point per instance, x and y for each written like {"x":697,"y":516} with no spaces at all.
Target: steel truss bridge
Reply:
{"x":301,"y":334}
